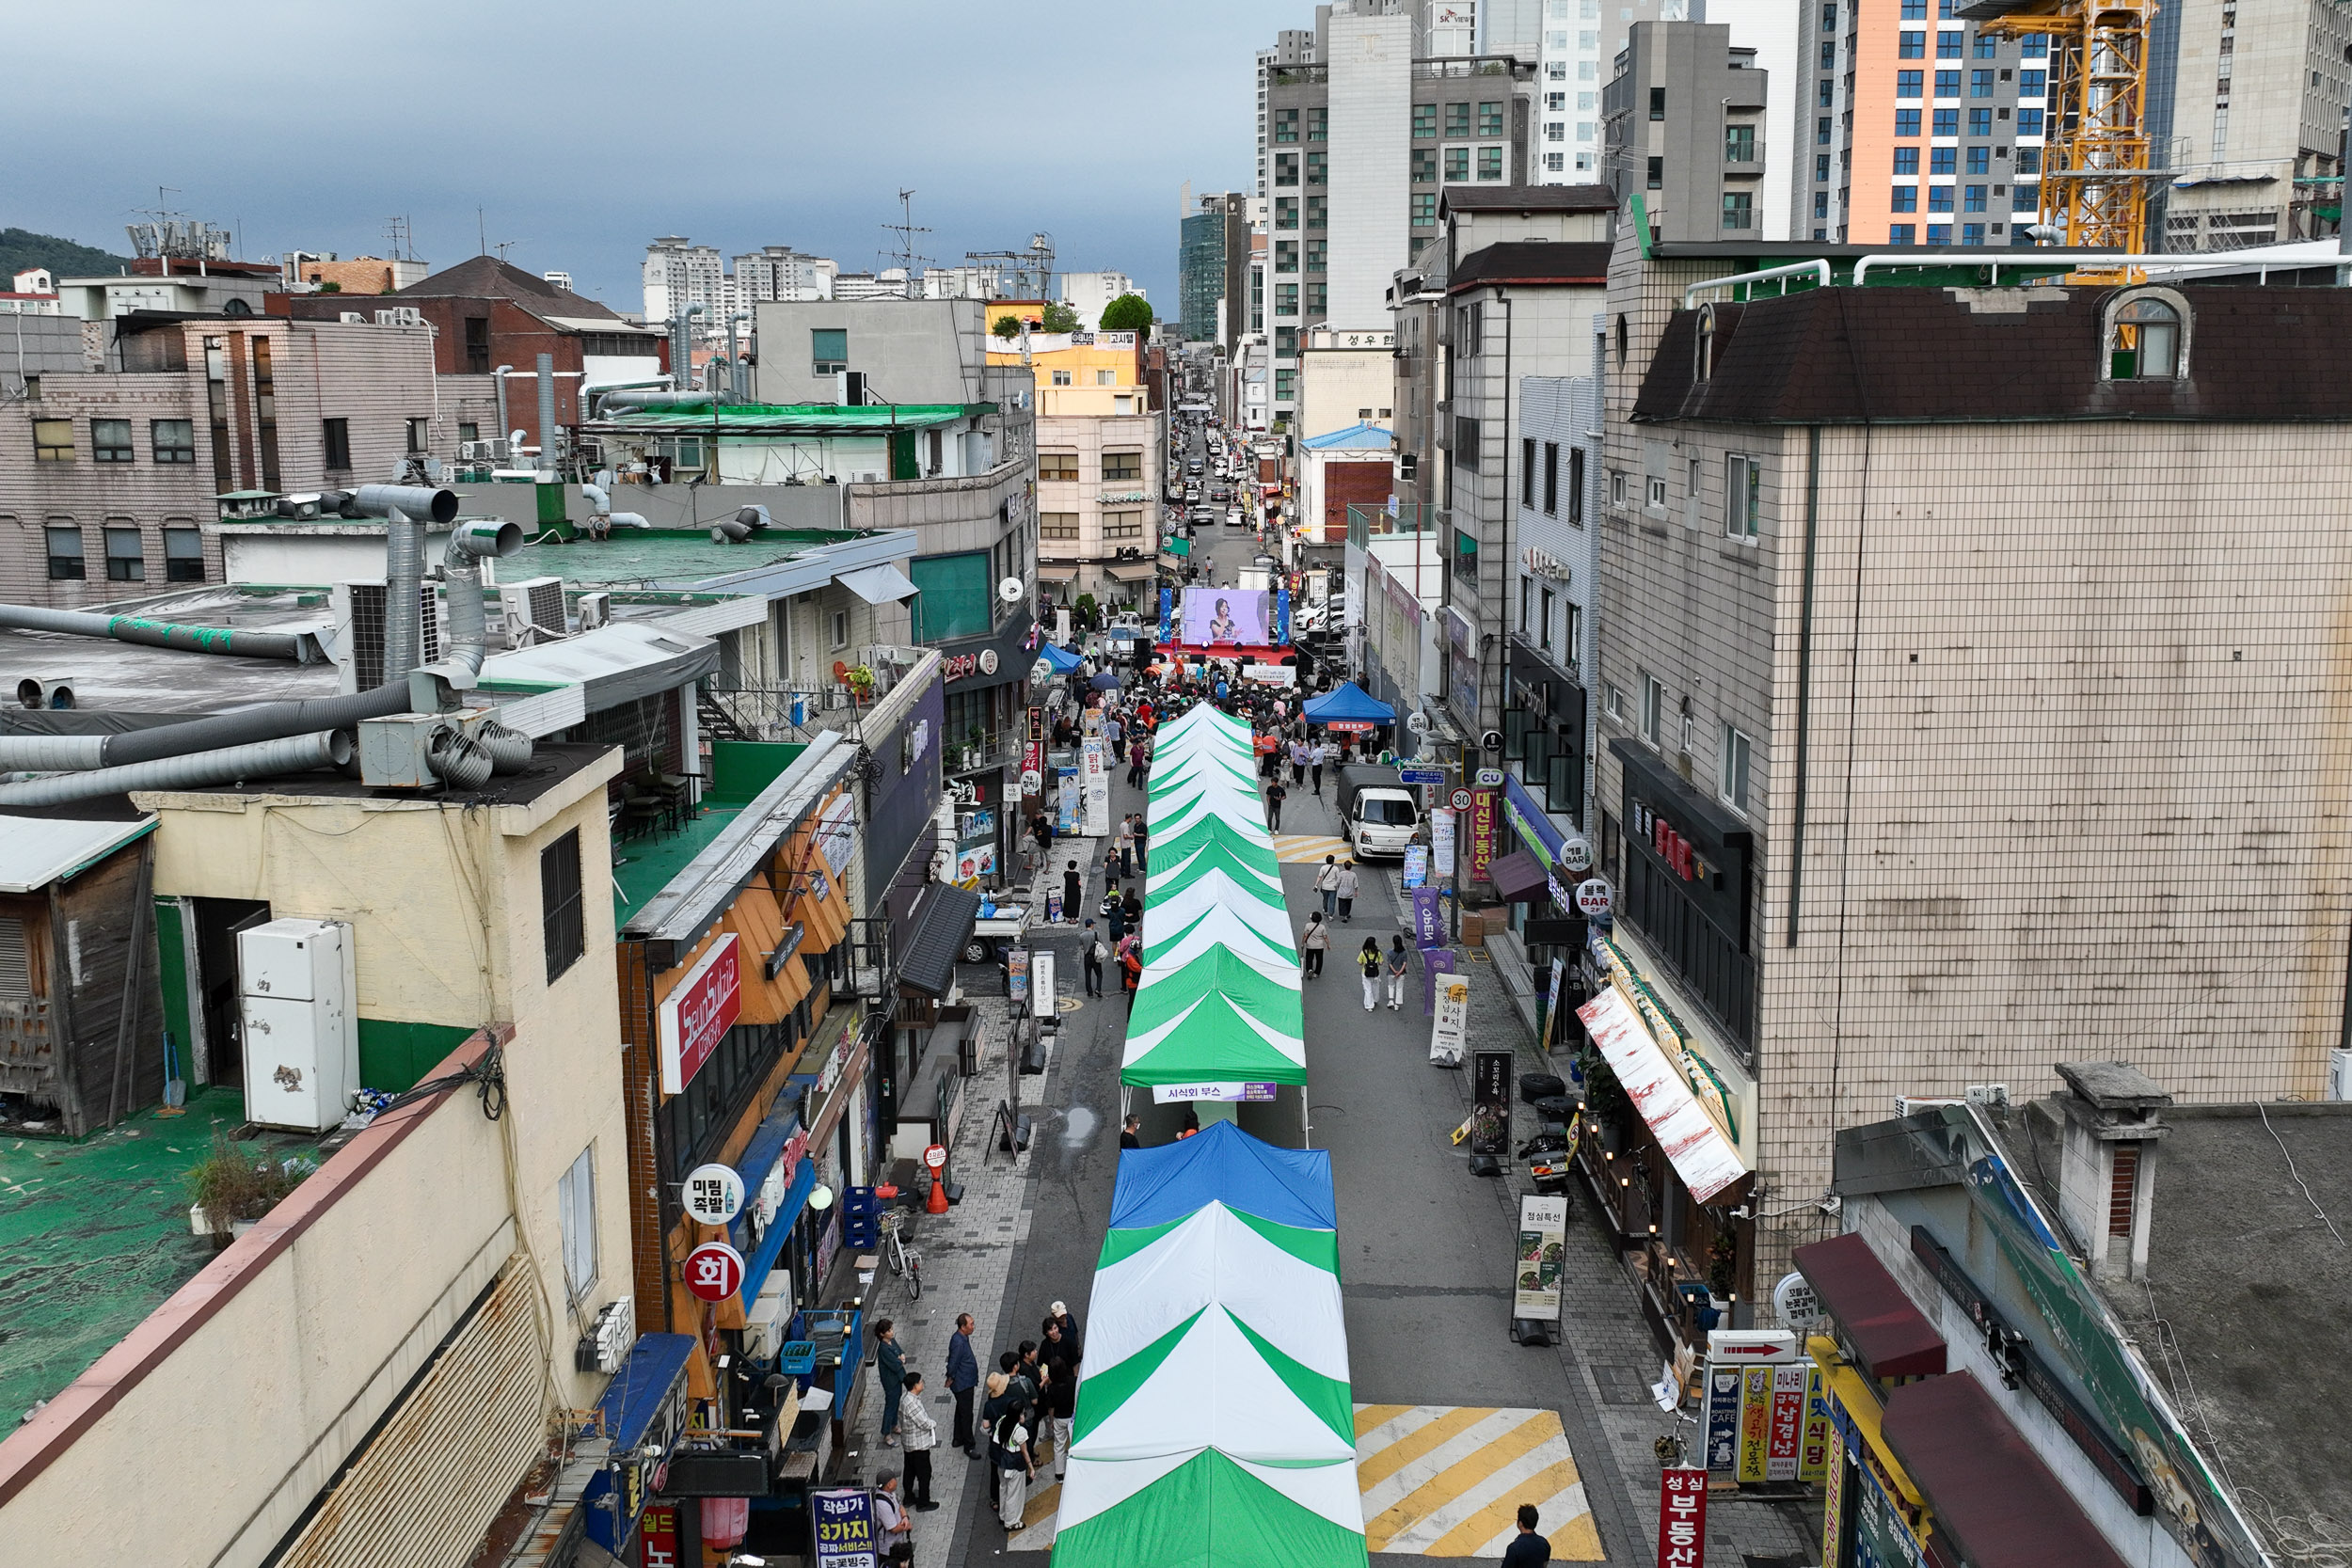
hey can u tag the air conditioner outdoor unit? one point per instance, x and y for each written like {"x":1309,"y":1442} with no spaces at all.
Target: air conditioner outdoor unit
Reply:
{"x":354,"y":319}
{"x":400,"y":315}
{"x":357,"y":608}
{"x":2339,"y":1073}
{"x":595,"y":609}
{"x":770,"y":1316}
{"x":1907,"y":1105}
{"x":533,"y":610}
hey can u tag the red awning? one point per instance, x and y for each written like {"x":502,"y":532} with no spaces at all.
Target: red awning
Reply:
{"x":1890,"y":1337}
{"x":1517,"y":879}
{"x":1989,"y":1490}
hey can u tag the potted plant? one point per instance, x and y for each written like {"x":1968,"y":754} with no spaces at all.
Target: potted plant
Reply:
{"x":233,"y":1186}
{"x":860,"y":680}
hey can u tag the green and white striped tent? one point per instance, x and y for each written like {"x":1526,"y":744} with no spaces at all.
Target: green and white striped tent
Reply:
{"x":1217,"y":1001}
{"x":1215,"y":1427}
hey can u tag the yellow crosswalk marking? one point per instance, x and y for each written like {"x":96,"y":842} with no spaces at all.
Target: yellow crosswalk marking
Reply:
{"x":1444,"y":1480}
{"x":1308,"y":848}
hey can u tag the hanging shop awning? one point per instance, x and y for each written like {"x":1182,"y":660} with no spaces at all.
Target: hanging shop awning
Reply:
{"x":884,"y":584}
{"x":1224,"y":1165}
{"x":1990,"y":1492}
{"x":1053,"y":571}
{"x":1703,"y":1154}
{"x":940,"y":933}
{"x":1892,"y":1337}
{"x":1517,"y":879}
{"x":1132,"y":571}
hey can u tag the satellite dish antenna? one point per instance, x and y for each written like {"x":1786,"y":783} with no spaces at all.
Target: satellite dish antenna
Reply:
{"x":1010,"y":590}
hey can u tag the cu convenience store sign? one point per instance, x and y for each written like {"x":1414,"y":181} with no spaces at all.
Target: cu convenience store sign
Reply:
{"x":698,"y":1012}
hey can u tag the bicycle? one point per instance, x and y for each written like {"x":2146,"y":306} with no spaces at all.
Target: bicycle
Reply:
{"x":905,"y":1261}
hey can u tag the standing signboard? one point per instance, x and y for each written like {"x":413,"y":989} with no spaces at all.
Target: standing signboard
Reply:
{"x":1429,"y":918}
{"x":1066,"y":804}
{"x":1756,"y":1422}
{"x":1452,"y":1029}
{"x":698,"y":1012}
{"x":1490,"y":1102}
{"x":1433,"y":962}
{"x":1813,"y":1457}
{"x":842,"y":1521}
{"x":1682,"y":1517}
{"x":1095,"y":807}
{"x":1041,"y":983}
{"x":1537,"y":1261}
{"x":1721,"y":1419}
{"x":1416,"y":864}
{"x":1017,"y":971}
{"x":1442,"y":839}
{"x":1788,"y":1422}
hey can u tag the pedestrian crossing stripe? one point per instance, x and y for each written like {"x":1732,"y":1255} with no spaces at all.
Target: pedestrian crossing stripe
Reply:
{"x":1447,"y":1480}
{"x":1308,"y":848}
{"x":1035,"y":1534}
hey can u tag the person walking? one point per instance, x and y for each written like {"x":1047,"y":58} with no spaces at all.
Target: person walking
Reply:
{"x":1136,"y":755}
{"x":1141,"y":835}
{"x":1093,"y":953}
{"x":1400,"y":958}
{"x":1346,"y":888}
{"x":1368,"y":961}
{"x":1073,"y":882}
{"x":1274,"y":796}
{"x":920,"y":1434}
{"x":1527,"y":1549}
{"x":1131,"y":967}
{"x":891,"y":1363}
{"x":1322,"y":755}
{"x":1314,"y":945}
{"x":1328,"y":884}
{"x":1298,"y":762}
{"x":964,"y":1375}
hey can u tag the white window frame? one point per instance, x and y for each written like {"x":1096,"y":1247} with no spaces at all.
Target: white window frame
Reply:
{"x":1743,"y":497}
{"x":1612,"y":701}
{"x":1736,"y":774}
{"x":576,"y":1215}
{"x":1654,"y":711}
{"x":840,"y":630}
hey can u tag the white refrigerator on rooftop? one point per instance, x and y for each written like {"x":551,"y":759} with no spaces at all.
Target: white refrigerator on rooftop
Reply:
{"x":296,"y":986}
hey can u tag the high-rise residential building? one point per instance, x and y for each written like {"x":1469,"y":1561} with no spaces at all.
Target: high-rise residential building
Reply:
{"x":1359,"y":134}
{"x":1921,"y":130}
{"x":678,"y":273}
{"x":1213,"y":268}
{"x":779,"y":273}
{"x":2257,"y":122}
{"x":1684,"y":130}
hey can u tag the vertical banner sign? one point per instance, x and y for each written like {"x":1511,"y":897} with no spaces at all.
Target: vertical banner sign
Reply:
{"x":1283,"y":612}
{"x":1429,"y":918}
{"x":1780,"y":1462}
{"x":1755,"y":1418}
{"x":1042,"y":983}
{"x":1552,"y":999}
{"x":1682,"y":1517}
{"x":1442,"y":840}
{"x":1066,"y":805}
{"x":1433,"y":962}
{"x":657,"y":1537}
{"x":1017,"y":969}
{"x":1723,"y":1417}
{"x":1833,"y":1499}
{"x":1813,"y":1458}
{"x":1452,"y":1029}
{"x":1536,"y":1265}
{"x":844,"y":1528}
{"x":1416,"y":864}
{"x":1490,"y":1102}
{"x":1033,"y":755}
{"x":1168,"y":615}
{"x":1480,"y":850}
{"x":1095,"y":812}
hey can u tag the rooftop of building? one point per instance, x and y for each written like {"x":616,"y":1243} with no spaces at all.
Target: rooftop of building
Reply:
{"x":1527,"y":199}
{"x":796,"y":418}
{"x":643,"y":866}
{"x":488,"y":277}
{"x":2248,"y":1261}
{"x":109,"y":677}
{"x":677,"y":559}
{"x":96,"y":1234}
{"x":1525,"y":262}
{"x":1849,"y":356}
{"x":1356,"y":437}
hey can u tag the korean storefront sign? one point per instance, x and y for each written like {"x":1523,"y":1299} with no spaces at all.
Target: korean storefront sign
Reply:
{"x":843,"y":1525}
{"x":1452,"y":1029}
{"x":698,"y":1012}
{"x":1095,"y":810}
{"x":1682,"y":1517}
{"x":1480,"y":850}
{"x":1705,"y":1086}
{"x":1490,"y":1102}
{"x":1538,"y":1261}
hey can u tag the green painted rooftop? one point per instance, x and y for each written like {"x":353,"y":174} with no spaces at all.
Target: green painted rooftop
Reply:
{"x":634,"y":556}
{"x":94,"y":1236}
{"x":643,"y":865}
{"x":834,"y":419}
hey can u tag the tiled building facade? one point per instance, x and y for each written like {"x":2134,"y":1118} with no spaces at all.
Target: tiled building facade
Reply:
{"x":1933,"y":747}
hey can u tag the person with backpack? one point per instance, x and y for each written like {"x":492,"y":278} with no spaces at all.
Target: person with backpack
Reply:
{"x":1095,"y":954}
{"x":1368,"y":961}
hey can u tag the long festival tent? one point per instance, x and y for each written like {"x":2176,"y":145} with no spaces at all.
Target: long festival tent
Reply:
{"x":1214,"y":1423}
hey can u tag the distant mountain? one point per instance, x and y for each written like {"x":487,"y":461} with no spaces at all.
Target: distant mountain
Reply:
{"x":21,"y":248}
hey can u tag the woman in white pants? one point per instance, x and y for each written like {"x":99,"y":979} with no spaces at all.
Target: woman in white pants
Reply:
{"x":1400,"y":959}
{"x":1368,"y":961}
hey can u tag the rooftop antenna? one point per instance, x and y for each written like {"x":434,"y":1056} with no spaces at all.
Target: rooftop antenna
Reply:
{"x":505,"y":246}
{"x":481,"y":231}
{"x":905,"y":229}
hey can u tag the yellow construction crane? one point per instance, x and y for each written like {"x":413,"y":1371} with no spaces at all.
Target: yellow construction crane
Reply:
{"x":2094,"y":164}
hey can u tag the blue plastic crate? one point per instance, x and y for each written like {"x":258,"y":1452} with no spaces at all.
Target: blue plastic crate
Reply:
{"x":797,"y":1358}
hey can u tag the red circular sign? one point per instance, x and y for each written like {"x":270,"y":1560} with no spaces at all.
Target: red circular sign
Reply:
{"x":936,"y":1157}
{"x":714,"y":1270}
{"x":1461,"y":799}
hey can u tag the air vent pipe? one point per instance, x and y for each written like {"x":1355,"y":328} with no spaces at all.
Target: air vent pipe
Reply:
{"x":622,"y":401}
{"x":249,"y":727}
{"x":407,"y":510}
{"x":469,"y":544}
{"x":290,"y":754}
{"x":302,"y":648}
{"x":549,"y":437}
{"x":497,"y":380}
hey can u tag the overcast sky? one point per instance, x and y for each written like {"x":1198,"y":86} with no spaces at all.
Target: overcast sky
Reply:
{"x":583,"y":130}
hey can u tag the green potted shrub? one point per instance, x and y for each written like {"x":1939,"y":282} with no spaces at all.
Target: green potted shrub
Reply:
{"x":233,"y":1186}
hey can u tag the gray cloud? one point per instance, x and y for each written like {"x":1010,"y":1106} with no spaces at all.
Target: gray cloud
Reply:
{"x":583,"y":130}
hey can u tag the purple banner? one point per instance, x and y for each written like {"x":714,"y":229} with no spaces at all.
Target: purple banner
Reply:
{"x":1433,"y":962}
{"x":1429,"y":918}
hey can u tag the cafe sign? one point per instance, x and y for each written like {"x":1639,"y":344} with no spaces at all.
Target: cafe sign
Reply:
{"x":699,"y":1011}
